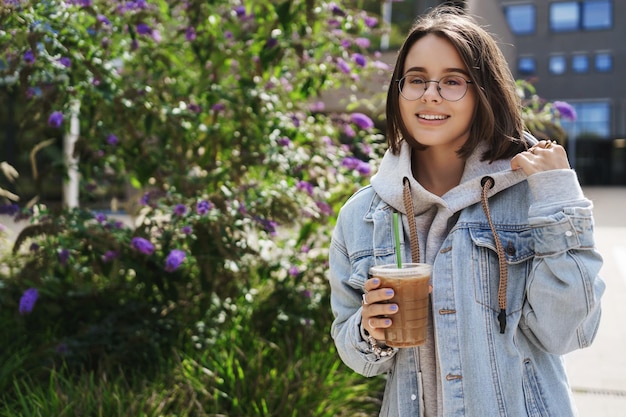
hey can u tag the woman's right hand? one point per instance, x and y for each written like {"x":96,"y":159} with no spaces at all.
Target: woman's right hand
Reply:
{"x":376,"y":311}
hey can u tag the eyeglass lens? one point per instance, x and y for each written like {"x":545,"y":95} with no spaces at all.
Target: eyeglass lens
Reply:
{"x":450,"y":88}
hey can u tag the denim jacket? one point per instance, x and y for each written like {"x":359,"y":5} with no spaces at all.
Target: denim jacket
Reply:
{"x":553,"y":293}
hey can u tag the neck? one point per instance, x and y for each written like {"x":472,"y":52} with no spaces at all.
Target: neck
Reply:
{"x":437,"y":170}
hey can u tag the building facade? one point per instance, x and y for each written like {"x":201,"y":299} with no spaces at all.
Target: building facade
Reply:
{"x":575,"y":51}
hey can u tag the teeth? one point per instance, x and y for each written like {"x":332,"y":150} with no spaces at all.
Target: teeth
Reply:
{"x":432,"y":116}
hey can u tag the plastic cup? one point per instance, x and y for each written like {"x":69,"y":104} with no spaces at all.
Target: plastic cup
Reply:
{"x":410,"y":285}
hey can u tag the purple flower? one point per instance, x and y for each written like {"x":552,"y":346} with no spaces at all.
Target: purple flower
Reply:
{"x":186,"y":230}
{"x":145,"y":199}
{"x":350,"y":162}
{"x":142,"y":245}
{"x":271,"y":42}
{"x":218,"y":107}
{"x":103,"y":19}
{"x":370,"y":21}
{"x":363,"y":168}
{"x":174,"y":260}
{"x":100,"y":217}
{"x":362,"y":121}
{"x":65,"y":61}
{"x":203,"y":207}
{"x":362,"y":42}
{"x":143,"y":29}
{"x":190,"y":34}
{"x":325,"y":208}
{"x":336,"y":10}
{"x":359,"y":60}
{"x":156,"y":35}
{"x":565,"y":110}
{"x":305,"y":186}
{"x":109,"y":256}
{"x":349,"y":131}
{"x":29,"y":57}
{"x":293,"y":271}
{"x":55,"y":119}
{"x":64,"y":256}
{"x":28,"y":300}
{"x":318,"y":106}
{"x":112,"y":140}
{"x":180,"y":210}
{"x":34,"y":247}
{"x":240,"y":11}
{"x":284,"y":141}
{"x":343,"y":66}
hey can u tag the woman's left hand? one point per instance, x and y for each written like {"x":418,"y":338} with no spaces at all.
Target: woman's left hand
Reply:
{"x":544,"y":156}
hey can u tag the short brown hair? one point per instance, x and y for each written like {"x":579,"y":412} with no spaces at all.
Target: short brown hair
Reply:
{"x":498,"y":118}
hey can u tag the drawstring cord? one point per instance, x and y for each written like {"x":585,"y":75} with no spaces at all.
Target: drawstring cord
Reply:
{"x":487,"y":183}
{"x":410,"y":214}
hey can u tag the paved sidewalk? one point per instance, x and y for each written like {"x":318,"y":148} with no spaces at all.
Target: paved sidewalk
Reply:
{"x":598,"y":373}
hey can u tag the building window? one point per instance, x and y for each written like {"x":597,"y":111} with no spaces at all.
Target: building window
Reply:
{"x":593,"y":120}
{"x":521,"y":18}
{"x":569,"y":16}
{"x":603,"y":62}
{"x":597,"y":14}
{"x":580,"y":63}
{"x":557,"y":64}
{"x":526,"y":65}
{"x":564,"y":16}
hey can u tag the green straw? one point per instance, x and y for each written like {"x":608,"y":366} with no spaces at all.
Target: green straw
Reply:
{"x":396,"y":235}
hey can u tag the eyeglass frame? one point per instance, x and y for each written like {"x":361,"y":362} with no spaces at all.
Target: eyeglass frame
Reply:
{"x":467,"y":83}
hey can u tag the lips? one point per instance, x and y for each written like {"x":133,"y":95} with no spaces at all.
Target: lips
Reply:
{"x":432,"y":116}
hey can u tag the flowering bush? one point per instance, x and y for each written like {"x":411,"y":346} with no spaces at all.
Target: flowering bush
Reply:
{"x":211,"y":111}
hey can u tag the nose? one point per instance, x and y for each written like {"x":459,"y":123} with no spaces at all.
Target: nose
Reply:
{"x":431,"y":91}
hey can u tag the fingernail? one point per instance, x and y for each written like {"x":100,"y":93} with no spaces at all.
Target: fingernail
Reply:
{"x":387,"y":322}
{"x":376,"y":281}
{"x":393,"y":307}
{"x":389,"y":292}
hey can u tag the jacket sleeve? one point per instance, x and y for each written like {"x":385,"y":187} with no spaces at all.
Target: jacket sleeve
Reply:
{"x":345,"y":299}
{"x":562,"y":311}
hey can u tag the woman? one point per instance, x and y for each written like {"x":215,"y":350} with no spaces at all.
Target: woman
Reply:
{"x":502,"y":219}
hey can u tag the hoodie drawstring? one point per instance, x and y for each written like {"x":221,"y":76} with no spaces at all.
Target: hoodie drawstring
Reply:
{"x":487,"y":183}
{"x":410,"y":214}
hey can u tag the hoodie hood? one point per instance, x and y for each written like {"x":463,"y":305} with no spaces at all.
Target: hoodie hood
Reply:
{"x":388,"y":181}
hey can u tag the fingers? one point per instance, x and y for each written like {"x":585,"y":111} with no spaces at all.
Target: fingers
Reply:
{"x":544,"y":156}
{"x":376,"y":308}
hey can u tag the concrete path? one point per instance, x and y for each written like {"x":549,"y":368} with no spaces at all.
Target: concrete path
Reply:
{"x":598,"y":373}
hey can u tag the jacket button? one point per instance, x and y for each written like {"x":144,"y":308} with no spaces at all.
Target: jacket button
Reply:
{"x":453,"y":377}
{"x":510,"y":249}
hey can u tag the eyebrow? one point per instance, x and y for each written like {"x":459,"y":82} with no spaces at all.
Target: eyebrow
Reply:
{"x":422,"y":69}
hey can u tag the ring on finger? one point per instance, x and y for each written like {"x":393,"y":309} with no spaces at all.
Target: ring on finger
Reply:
{"x":364,"y":299}
{"x":549,"y":144}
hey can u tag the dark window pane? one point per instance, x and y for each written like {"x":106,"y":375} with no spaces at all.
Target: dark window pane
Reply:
{"x":521,"y":18}
{"x":557,"y":64}
{"x":580,"y":63}
{"x":597,"y":14}
{"x":604,"y":62}
{"x":526,"y":65}
{"x":564,"y":16}
{"x":593,"y":120}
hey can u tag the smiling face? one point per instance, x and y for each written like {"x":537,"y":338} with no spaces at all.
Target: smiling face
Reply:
{"x":431,"y":120}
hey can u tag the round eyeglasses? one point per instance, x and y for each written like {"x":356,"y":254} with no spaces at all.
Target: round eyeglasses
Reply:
{"x":451,"y":87}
